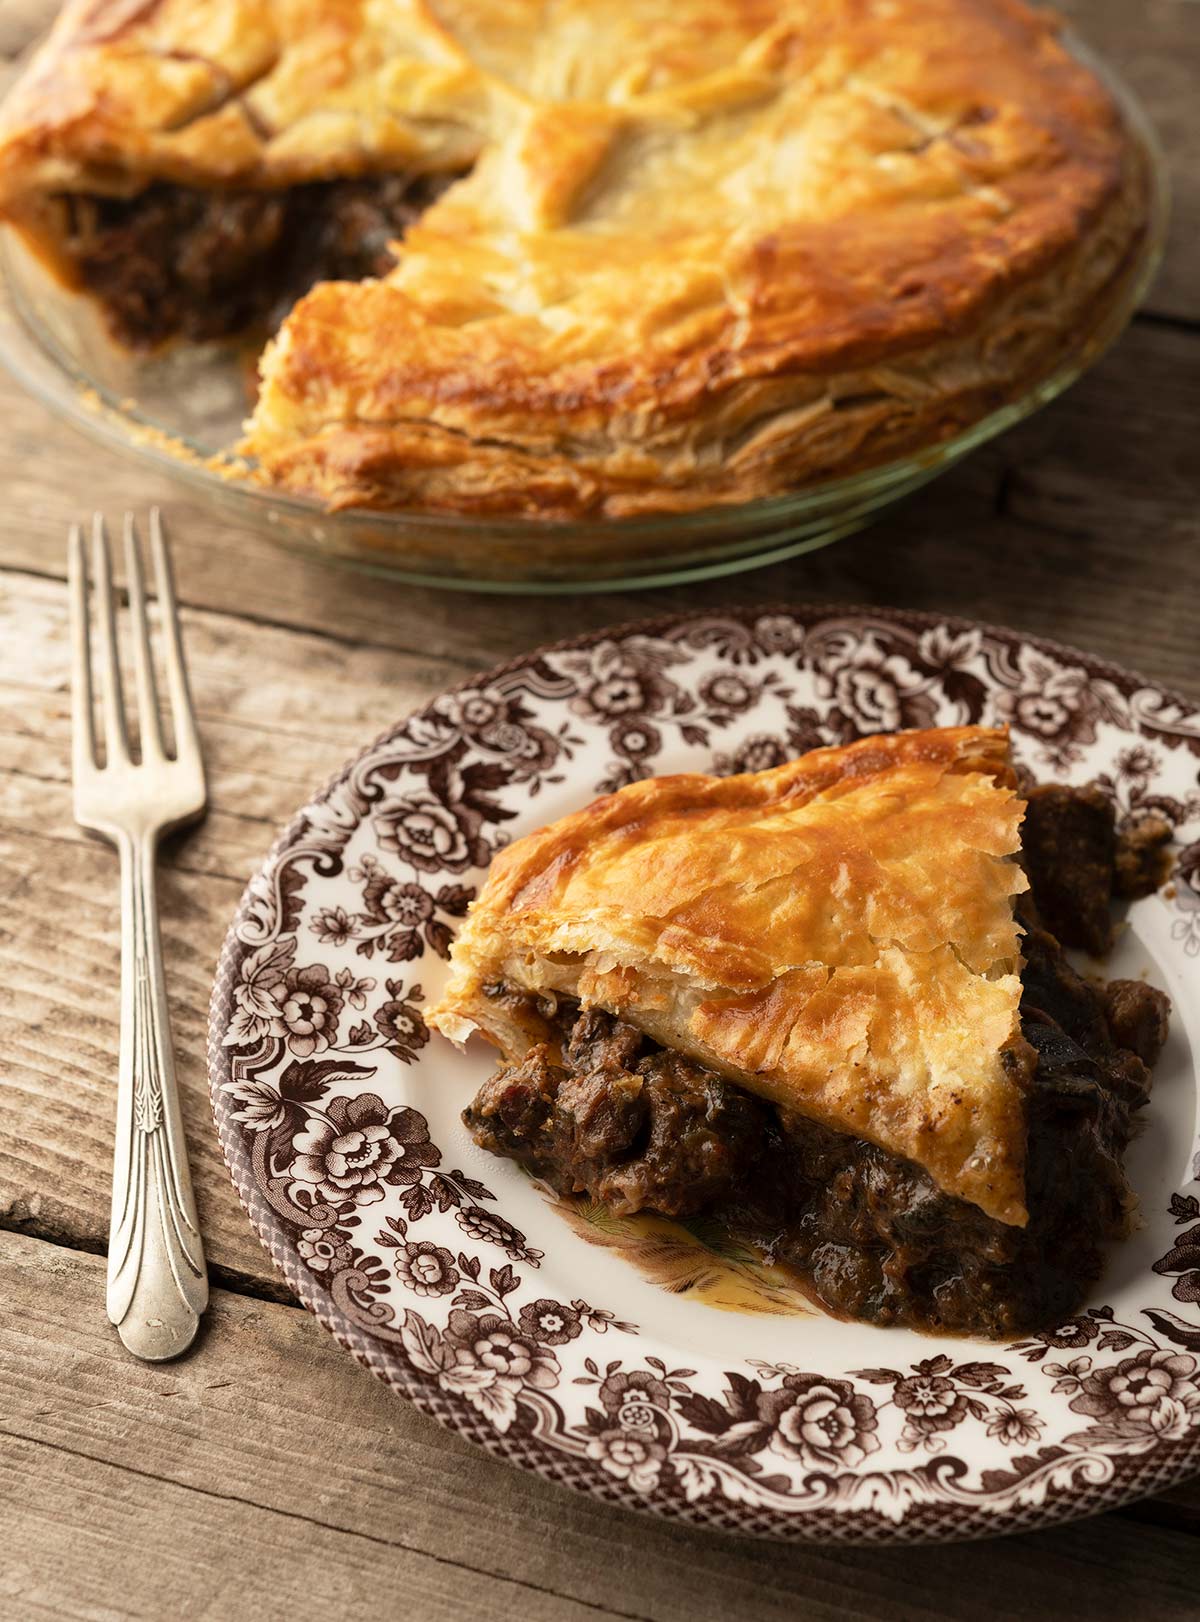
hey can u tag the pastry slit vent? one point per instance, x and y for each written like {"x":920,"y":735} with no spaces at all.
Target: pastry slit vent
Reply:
{"x":225,"y":90}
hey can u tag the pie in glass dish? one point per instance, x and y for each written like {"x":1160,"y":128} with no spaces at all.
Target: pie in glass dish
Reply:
{"x":823,"y":1004}
{"x":586,"y":259}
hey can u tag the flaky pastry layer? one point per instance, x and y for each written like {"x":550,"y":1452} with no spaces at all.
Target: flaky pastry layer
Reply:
{"x":836,"y":934}
{"x":707,"y":251}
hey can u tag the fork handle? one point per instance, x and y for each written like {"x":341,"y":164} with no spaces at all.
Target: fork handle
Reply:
{"x":157,"y":1282}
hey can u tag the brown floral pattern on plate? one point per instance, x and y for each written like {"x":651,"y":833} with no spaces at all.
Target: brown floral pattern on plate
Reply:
{"x":470,"y":1299}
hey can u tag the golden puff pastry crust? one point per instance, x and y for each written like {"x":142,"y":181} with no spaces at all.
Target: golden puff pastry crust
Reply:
{"x":706,"y":250}
{"x":836,"y":935}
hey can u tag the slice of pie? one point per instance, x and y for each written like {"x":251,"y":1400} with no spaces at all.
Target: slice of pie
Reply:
{"x":586,"y":258}
{"x":819,"y":1003}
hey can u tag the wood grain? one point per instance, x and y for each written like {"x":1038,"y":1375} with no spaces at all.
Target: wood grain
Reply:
{"x":269,"y":741}
{"x":59,"y":1013}
{"x":331,"y":1492}
{"x":1155,"y":47}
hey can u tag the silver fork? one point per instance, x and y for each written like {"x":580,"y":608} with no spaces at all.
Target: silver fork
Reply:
{"x":157,"y":1283}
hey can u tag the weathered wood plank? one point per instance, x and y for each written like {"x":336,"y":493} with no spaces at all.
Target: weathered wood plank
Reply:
{"x":59,"y":967}
{"x":279,"y":712}
{"x":1155,"y":47}
{"x":100,"y":1542}
{"x":116,"y":1505}
{"x":1179,"y":1508}
{"x":272,"y":1446}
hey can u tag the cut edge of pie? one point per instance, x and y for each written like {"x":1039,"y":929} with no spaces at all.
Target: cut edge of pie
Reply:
{"x":835,"y":935}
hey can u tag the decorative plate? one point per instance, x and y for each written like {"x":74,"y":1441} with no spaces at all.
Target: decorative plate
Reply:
{"x":645,"y":1364}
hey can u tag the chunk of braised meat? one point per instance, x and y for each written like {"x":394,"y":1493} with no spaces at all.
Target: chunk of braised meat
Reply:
{"x":1056,"y":999}
{"x":600,"y":1120}
{"x":1138,"y":1016}
{"x":598,"y":1041}
{"x":1141,"y":862}
{"x":1068,"y":845}
{"x":635,"y":1130}
{"x":702,"y":1139}
{"x":512,"y":1112}
{"x":1051,"y":991}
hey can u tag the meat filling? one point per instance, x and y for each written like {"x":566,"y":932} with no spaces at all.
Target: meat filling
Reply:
{"x":1077,"y":859}
{"x":179,"y":262}
{"x":605,"y":1112}
{"x":596,"y":1108}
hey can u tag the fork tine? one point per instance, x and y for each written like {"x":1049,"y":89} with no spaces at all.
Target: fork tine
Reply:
{"x":149,"y":727}
{"x":83,"y":729}
{"x":183,"y":720}
{"x":116,"y":739}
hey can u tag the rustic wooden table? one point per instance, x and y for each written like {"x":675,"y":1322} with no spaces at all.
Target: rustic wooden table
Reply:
{"x":267,"y":1473}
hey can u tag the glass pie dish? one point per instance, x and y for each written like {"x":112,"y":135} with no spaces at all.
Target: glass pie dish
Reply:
{"x":180,"y":411}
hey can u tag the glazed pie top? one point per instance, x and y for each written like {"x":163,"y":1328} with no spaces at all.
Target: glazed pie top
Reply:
{"x":700,"y":250}
{"x":836,"y":934}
